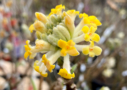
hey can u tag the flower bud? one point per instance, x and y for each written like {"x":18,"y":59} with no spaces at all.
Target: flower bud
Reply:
{"x":39,"y":26}
{"x":58,"y":34}
{"x":40,"y":35}
{"x":70,"y":25}
{"x":52,"y":39}
{"x":64,"y":31}
{"x":53,"y":18}
{"x":41,"y":17}
{"x":43,"y":45}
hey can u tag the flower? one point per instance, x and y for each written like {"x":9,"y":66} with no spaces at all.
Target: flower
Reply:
{"x":108,"y":72}
{"x":111,"y":62}
{"x":67,"y":47}
{"x":89,"y":34}
{"x":41,"y":17}
{"x":57,"y":10}
{"x":92,"y":50}
{"x":40,"y":68}
{"x":86,"y":21}
{"x":31,"y":51}
{"x":65,"y":72}
{"x":71,"y":13}
{"x":47,"y":63}
{"x":90,"y":19}
{"x":31,"y":28}
{"x":27,"y":49}
{"x":58,"y":36}
{"x":9,"y":3}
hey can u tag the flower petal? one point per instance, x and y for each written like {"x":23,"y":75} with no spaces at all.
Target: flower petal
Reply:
{"x":60,"y":6}
{"x":72,"y":14}
{"x":71,"y":43}
{"x":85,"y":29}
{"x":95,"y":37}
{"x":63,"y":73}
{"x":91,"y":54}
{"x":27,"y":48}
{"x":85,"y":50}
{"x":86,"y":20}
{"x":47,"y":63}
{"x":36,"y":68}
{"x":41,"y":17}
{"x":31,"y":28}
{"x":27,"y":42}
{"x":32,"y":55}
{"x":83,"y":15}
{"x":94,"y":20}
{"x":27,"y":54}
{"x":62,"y":43}
{"x":97,"y":22}
{"x":44,"y":75}
{"x":70,"y":24}
{"x":63,"y":52}
{"x":35,"y":63}
{"x":91,"y":44}
{"x":92,"y":17}
{"x":73,"y":51}
{"x":97,"y":50}
{"x":87,"y":37}
{"x":92,"y":24}
{"x":92,"y":29}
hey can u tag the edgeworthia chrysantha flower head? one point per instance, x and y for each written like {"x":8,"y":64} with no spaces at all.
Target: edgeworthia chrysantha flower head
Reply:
{"x":59,"y":37}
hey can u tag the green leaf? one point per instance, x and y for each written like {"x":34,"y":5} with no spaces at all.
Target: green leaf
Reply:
{"x":33,"y":84}
{"x":73,"y":68}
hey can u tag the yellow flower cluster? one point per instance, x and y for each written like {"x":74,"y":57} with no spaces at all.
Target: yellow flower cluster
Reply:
{"x":58,"y":36}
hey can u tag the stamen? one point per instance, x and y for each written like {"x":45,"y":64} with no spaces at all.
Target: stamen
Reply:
{"x":91,"y":49}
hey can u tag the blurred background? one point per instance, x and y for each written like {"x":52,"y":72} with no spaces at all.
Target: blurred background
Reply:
{"x":109,"y":69}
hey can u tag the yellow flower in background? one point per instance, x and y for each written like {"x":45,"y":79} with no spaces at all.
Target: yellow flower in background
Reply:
{"x":58,"y":36}
{"x":108,"y":72}
{"x":9,"y":3}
